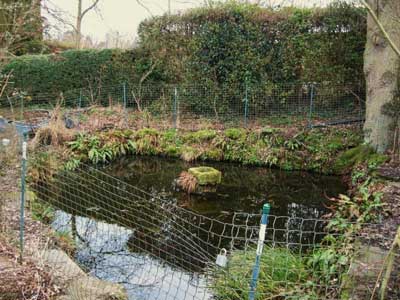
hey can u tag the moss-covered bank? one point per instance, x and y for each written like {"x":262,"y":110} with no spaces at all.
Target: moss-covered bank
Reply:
{"x":314,"y":150}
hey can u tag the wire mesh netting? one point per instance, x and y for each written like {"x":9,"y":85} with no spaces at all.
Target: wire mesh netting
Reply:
{"x":154,"y":249}
{"x":303,"y":104}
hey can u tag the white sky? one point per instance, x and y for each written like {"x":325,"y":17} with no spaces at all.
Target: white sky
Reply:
{"x":125,"y":16}
{"x":118,"y":15}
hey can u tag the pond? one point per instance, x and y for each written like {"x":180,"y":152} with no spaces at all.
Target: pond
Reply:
{"x":133,"y":226}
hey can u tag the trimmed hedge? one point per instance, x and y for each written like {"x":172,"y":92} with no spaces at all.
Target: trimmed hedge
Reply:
{"x":71,"y":69}
{"x":224,"y":49}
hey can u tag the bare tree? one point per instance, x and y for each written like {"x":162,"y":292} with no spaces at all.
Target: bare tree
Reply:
{"x":80,"y":15}
{"x":137,"y":95}
{"x":63,"y":17}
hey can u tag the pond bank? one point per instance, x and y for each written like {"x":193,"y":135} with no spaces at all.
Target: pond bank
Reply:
{"x":315,"y":150}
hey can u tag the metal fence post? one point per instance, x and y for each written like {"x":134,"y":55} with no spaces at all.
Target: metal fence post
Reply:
{"x":80,"y":99}
{"x":260,"y":247}
{"x":175,"y":107}
{"x":310,"y":123}
{"x":246,"y":103}
{"x":22,"y":209}
{"x":124,"y":94}
{"x":22,"y":107}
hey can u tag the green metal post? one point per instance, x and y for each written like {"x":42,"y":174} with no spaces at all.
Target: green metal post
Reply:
{"x":80,"y":99}
{"x":22,"y":209}
{"x":124,"y":93}
{"x":175,"y":107}
{"x":22,"y":108}
{"x":311,"y":106}
{"x":246,"y":104}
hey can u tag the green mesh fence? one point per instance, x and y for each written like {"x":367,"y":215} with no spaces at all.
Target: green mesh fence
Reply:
{"x":229,"y":106}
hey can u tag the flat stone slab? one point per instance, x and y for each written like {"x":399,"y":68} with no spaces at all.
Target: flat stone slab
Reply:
{"x":78,"y":285}
{"x":363,"y":272}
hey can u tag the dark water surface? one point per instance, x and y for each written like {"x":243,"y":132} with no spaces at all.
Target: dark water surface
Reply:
{"x":157,"y":241}
{"x":243,"y":189}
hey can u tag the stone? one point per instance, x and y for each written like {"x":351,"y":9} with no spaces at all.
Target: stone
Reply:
{"x":78,"y":285}
{"x":206,"y":175}
{"x":364,"y":270}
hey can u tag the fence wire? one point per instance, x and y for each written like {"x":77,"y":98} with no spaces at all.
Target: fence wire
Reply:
{"x":307,"y":104}
{"x":152,"y":248}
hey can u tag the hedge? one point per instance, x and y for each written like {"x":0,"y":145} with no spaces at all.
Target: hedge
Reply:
{"x":225,"y":48}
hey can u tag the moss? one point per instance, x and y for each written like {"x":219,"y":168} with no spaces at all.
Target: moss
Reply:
{"x":201,"y":135}
{"x":235,"y":133}
{"x":376,"y":160}
{"x":352,"y":157}
{"x":206,"y":175}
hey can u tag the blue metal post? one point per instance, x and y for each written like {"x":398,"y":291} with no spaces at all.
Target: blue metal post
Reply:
{"x":260,"y":246}
{"x":22,"y":211}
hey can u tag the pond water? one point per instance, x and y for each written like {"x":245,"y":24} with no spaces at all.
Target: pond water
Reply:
{"x":133,"y":226}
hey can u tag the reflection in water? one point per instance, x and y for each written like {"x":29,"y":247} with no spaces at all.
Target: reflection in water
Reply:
{"x":142,"y":232}
{"x":103,"y":252}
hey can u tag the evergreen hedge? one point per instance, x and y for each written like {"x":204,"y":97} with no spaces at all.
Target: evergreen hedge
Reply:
{"x":225,"y":48}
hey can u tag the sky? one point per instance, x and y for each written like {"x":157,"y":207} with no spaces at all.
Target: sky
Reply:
{"x":125,"y":16}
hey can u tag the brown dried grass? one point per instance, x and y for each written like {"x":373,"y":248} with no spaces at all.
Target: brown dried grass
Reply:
{"x":24,"y":280}
{"x":54,"y":133}
{"x":187,"y":182}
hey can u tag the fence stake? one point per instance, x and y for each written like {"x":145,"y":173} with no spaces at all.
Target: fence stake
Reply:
{"x":246,"y":104}
{"x":22,"y":108}
{"x":311,"y":106}
{"x":124,"y":93}
{"x":22,"y":210}
{"x":80,"y":99}
{"x":175,"y":108}
{"x":260,"y":246}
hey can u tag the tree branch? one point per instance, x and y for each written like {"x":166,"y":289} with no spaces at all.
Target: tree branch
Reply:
{"x":94,"y":4}
{"x":381,"y":28}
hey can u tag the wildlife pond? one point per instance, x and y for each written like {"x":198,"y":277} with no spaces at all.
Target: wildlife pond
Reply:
{"x":132,"y":225}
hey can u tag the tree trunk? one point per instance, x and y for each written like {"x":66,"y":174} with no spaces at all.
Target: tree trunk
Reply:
{"x":79,"y":25}
{"x":381,"y":67}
